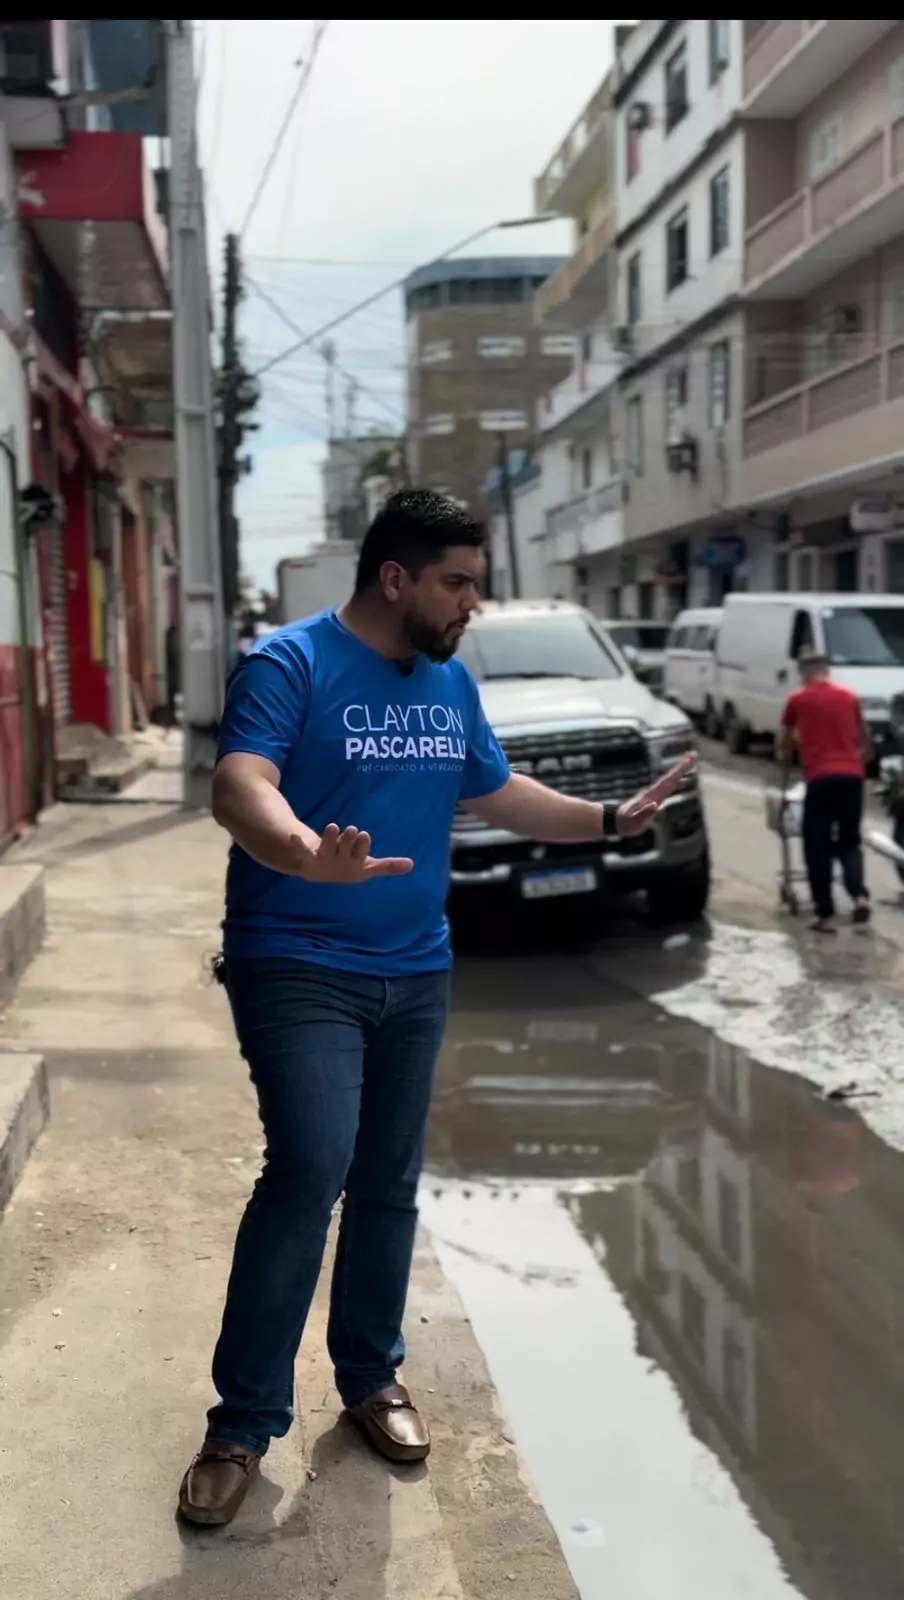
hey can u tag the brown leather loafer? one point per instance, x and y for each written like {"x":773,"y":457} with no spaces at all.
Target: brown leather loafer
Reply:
{"x":216,"y":1483}
{"x":391,"y":1421}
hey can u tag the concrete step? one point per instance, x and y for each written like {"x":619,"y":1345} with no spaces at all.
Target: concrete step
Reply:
{"x":22,"y":919}
{"x":24,"y":1109}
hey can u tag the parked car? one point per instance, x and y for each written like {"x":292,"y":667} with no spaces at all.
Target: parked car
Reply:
{"x":643,"y":646}
{"x":762,"y":635}
{"x":690,"y":665}
{"x":568,"y":711}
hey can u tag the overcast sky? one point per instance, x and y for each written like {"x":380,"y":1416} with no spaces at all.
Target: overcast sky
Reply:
{"x":408,"y":136}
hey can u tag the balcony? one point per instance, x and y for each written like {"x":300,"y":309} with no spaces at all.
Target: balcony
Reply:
{"x":787,"y":65}
{"x":843,"y":426}
{"x":582,"y":288}
{"x":581,"y":164}
{"x":33,"y":55}
{"x":587,"y":525}
{"x":92,"y":208}
{"x":133,"y":358}
{"x":576,"y":393}
{"x":856,"y":207}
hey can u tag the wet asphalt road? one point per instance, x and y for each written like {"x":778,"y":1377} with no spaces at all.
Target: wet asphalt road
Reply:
{"x":686,"y":1272}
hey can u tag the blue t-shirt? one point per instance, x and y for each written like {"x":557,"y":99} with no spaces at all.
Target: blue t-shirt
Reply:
{"x":363,"y":745}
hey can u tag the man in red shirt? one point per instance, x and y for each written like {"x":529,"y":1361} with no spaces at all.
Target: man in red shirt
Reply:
{"x":834,"y":746}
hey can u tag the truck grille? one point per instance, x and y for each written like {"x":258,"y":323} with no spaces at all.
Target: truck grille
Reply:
{"x":589,"y":763}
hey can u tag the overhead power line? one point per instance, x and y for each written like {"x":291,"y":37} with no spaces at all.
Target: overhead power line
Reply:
{"x":293,"y":327}
{"x":303,"y":76}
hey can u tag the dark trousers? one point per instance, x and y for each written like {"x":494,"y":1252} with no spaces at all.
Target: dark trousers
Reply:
{"x":832,"y":814}
{"x":343,"y":1067}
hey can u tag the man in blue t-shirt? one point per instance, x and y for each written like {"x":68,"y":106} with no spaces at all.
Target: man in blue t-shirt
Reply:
{"x":347,"y":742}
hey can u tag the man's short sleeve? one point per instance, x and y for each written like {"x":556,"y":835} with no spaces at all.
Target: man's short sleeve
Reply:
{"x":266,"y":704}
{"x":486,"y":765}
{"x":790,"y":713}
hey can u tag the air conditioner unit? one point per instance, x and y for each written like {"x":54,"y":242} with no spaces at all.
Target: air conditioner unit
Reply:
{"x":682,"y":455}
{"x":841,"y":319}
{"x":640,"y":116}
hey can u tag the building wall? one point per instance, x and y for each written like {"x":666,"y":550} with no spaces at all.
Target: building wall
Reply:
{"x":15,"y":464}
{"x":710,"y":279}
{"x":454,"y":390}
{"x":677,"y":326}
{"x":665,"y":155}
{"x":658,"y":499}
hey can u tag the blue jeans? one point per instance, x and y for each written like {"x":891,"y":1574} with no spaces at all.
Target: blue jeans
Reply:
{"x":343,"y":1065}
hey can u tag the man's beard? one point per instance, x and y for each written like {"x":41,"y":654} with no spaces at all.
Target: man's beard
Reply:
{"x":428,"y":641}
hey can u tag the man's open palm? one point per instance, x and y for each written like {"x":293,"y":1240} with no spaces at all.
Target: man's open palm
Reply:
{"x":343,"y":856}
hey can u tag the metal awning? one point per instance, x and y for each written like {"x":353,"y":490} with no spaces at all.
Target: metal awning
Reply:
{"x":92,"y":207}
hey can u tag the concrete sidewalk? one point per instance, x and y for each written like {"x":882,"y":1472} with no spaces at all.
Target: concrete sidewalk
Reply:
{"x":115,"y":1254}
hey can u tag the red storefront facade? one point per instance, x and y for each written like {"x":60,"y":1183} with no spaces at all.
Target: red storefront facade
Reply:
{"x":95,"y":245}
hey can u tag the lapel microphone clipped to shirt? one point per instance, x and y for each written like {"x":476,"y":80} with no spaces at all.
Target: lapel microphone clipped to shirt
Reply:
{"x":404,"y":668}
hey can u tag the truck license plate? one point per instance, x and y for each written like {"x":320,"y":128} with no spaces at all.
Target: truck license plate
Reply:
{"x":573,"y":880}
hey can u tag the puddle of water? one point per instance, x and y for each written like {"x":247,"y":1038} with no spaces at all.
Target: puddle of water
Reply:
{"x":686,"y":1273}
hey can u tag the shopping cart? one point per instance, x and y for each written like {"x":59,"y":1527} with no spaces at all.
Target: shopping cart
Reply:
{"x":785,"y":817}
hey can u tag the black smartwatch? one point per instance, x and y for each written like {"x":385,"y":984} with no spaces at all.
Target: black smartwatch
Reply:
{"x":610,"y":820}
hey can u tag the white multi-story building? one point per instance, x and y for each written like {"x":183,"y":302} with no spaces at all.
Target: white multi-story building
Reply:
{"x":567,"y":507}
{"x":681,"y":198}
{"x":823,"y":426}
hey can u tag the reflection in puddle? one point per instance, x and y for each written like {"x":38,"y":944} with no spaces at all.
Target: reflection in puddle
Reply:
{"x":686,"y":1273}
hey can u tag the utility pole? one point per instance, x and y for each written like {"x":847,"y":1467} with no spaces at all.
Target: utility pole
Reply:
{"x":203,"y":662}
{"x":328,"y":351}
{"x":505,"y":485}
{"x":231,"y":375}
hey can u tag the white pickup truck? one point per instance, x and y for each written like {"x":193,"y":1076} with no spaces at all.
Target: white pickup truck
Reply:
{"x":568,"y":710}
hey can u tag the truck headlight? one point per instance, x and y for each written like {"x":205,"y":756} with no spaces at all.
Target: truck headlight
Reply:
{"x":667,"y":748}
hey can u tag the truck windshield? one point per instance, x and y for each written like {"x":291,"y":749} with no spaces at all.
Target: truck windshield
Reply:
{"x":641,"y":635}
{"x":553,"y":646}
{"x":864,"y":636}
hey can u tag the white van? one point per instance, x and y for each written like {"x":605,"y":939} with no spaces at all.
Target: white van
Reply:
{"x":762,"y":635}
{"x":690,"y":664}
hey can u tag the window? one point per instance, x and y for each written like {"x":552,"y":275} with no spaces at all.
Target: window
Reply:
{"x":718,"y":213}
{"x":801,"y":634}
{"x":826,"y":148}
{"x":634,"y":415}
{"x":676,"y":249}
{"x":633,"y":154}
{"x":676,"y":100}
{"x":897,"y":309}
{"x":692,"y":1316}
{"x":719,"y":383}
{"x":896,"y":87}
{"x":436,"y":350}
{"x":734,"y":1372}
{"x":440,"y":422}
{"x":587,"y":347}
{"x":730,"y":1233}
{"x":864,"y":636}
{"x":586,"y":468}
{"x":501,"y":347}
{"x":675,"y":398}
{"x":718,"y":49}
{"x":557,"y":344}
{"x":635,"y":297}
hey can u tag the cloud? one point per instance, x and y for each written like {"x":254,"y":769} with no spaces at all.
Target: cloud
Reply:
{"x":409,"y":136}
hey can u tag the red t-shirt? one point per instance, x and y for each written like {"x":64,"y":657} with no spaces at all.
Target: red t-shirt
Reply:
{"x":828,"y":721}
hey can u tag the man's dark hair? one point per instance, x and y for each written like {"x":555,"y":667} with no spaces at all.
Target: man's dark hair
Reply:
{"x":415,"y":528}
